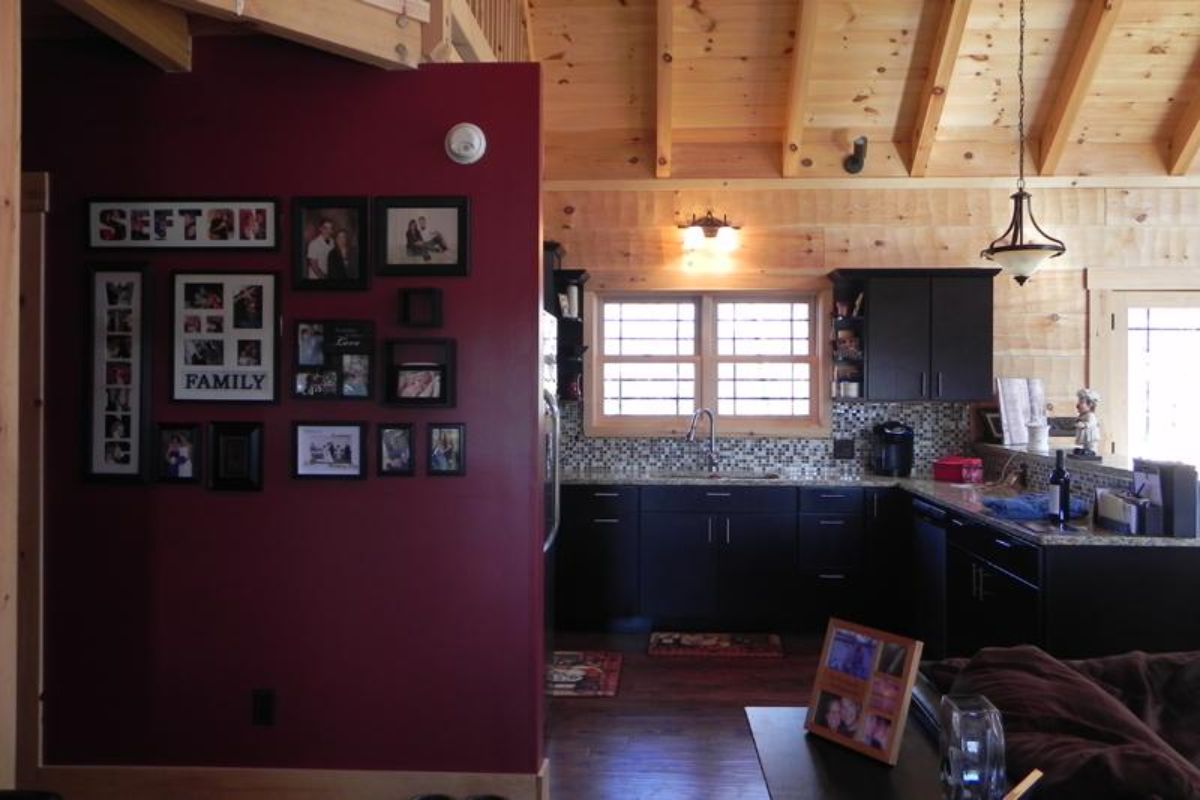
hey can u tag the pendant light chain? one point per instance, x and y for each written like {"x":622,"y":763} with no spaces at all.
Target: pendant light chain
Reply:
{"x":1021,"y":107}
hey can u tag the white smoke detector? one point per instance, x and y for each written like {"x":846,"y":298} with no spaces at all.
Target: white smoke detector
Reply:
{"x":465,"y":143}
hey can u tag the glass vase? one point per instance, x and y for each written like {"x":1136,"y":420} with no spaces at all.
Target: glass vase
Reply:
{"x":972,"y":744}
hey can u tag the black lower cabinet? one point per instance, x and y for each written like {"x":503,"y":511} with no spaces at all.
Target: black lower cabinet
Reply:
{"x":596,"y":558}
{"x":929,"y":585}
{"x":986,"y":606}
{"x":732,"y":570}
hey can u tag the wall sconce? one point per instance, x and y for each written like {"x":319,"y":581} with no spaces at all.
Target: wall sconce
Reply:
{"x":854,"y":163}
{"x":701,"y":230}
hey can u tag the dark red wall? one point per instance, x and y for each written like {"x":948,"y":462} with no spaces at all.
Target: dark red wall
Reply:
{"x":398,"y":620}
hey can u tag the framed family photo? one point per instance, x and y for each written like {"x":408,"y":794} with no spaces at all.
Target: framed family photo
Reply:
{"x":447,"y":449}
{"x":224,"y":337}
{"x":330,"y":243}
{"x":862,"y":690}
{"x":334,"y":359}
{"x":118,"y":400}
{"x":396,"y":452}
{"x":236,"y":224}
{"x":328,"y":450}
{"x":178,"y":452}
{"x":422,"y":236}
{"x":235,"y":455}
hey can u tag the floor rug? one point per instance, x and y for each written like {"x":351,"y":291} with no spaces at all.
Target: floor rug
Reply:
{"x":726,"y":645}
{"x":583,"y":673}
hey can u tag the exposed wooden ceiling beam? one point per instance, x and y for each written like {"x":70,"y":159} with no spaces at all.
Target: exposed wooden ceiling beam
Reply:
{"x":663,"y":91}
{"x":1085,"y":59}
{"x":803,"y":46}
{"x":156,"y":32}
{"x":354,"y":30}
{"x":469,"y":38}
{"x":437,"y":43}
{"x":1185,"y":142}
{"x":951,"y":26}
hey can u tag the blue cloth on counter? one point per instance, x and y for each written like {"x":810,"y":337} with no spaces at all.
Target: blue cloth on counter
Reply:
{"x":1029,"y":507}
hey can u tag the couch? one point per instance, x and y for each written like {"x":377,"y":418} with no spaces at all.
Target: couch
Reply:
{"x":1124,"y":727}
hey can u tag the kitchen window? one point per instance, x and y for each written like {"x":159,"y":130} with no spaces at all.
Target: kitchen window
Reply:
{"x":655,"y":359}
{"x":1147,"y":402}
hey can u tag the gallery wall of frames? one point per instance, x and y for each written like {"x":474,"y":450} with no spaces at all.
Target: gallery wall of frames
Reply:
{"x":291,"y":410}
{"x":224,"y":334}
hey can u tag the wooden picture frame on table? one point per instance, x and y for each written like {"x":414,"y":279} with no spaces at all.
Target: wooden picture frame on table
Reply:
{"x":117,"y":409}
{"x":422,"y":236}
{"x":244,"y":223}
{"x":330,"y":243}
{"x":862,"y":689}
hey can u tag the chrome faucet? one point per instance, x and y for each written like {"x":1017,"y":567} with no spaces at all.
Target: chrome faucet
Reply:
{"x":713,"y":459}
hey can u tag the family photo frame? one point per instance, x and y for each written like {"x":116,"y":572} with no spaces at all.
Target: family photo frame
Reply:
{"x":422,"y":236}
{"x":334,"y":359}
{"x":330,"y":243}
{"x":183,"y":224}
{"x":178,"y":450}
{"x":224,"y":328}
{"x":328,"y":450}
{"x":862,"y":689}
{"x":118,"y":400}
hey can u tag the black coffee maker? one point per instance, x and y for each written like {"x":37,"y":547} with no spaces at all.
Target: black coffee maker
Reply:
{"x":892,"y":449}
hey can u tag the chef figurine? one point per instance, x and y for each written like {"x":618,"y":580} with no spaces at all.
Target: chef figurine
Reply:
{"x":1087,"y":425}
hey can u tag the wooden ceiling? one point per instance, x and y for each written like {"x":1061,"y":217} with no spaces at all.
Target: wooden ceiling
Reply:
{"x":713,"y":88}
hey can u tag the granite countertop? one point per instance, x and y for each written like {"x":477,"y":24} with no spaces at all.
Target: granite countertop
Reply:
{"x":965,"y":499}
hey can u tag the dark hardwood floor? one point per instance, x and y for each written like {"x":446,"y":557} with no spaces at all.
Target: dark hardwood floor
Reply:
{"x":676,"y":729}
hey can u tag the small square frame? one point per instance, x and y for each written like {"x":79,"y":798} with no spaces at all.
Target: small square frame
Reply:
{"x":421,"y":308}
{"x":235,"y":451}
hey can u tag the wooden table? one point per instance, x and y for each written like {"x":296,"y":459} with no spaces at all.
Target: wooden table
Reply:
{"x":802,"y":767}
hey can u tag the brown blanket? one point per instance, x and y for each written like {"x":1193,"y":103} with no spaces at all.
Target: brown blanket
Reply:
{"x":1120,"y":728}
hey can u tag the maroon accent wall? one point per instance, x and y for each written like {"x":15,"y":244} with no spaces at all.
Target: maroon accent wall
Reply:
{"x":398,"y":620}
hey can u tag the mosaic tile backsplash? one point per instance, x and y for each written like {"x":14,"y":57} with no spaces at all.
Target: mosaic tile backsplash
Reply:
{"x":940,"y":429}
{"x":1086,"y":476}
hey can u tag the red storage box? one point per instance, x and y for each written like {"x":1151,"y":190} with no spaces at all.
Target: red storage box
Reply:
{"x":958,"y":469}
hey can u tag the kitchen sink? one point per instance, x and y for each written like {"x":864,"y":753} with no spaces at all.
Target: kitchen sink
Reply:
{"x":746,"y":475}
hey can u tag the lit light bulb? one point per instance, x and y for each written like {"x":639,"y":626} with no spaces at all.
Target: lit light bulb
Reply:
{"x":693,"y":238}
{"x":727,"y":240}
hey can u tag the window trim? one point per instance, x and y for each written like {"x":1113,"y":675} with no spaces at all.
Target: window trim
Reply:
{"x":1108,"y":356}
{"x":817,"y":425}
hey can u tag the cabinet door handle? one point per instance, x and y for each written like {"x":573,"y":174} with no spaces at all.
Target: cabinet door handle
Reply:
{"x":875,"y":502}
{"x":832,"y":576}
{"x":727,"y":530}
{"x":958,"y":523}
{"x":924,"y":385}
{"x":832,"y":522}
{"x":1002,"y":543}
{"x":832,"y":496}
{"x":939,"y":383}
{"x":710,"y":530}
{"x":606,"y":494}
{"x":606,"y":521}
{"x":718,"y":494}
{"x":974,"y":582}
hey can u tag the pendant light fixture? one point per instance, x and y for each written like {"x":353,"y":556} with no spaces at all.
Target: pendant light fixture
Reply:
{"x":1012,"y":251}
{"x":708,"y":227}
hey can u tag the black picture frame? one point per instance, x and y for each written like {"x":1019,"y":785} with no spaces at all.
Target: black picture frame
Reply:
{"x":306,"y":433}
{"x":429,"y":363}
{"x":386,"y":451}
{"x":264,"y":335}
{"x":235,"y":456}
{"x":435,"y":457}
{"x":344,"y":214}
{"x":440,"y":254}
{"x":117,"y":409}
{"x":334,"y":359}
{"x":420,"y":308}
{"x":190,"y":468}
{"x":172,"y":236}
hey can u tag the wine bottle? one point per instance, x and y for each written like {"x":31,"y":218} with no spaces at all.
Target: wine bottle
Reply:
{"x":1058,"y":492}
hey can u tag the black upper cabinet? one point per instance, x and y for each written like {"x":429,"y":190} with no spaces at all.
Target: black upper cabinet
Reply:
{"x":897,"y":333}
{"x":928,"y":333}
{"x":961,"y":339}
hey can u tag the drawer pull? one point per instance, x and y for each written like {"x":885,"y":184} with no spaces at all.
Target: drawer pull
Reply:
{"x":832,"y":522}
{"x":718,"y":494}
{"x":832,"y":496}
{"x":832,"y":576}
{"x":606,"y":494}
{"x":1004,"y":544}
{"x":606,"y":521}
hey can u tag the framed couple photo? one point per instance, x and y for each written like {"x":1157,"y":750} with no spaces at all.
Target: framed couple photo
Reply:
{"x":422,"y":236}
{"x":330,"y":243}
